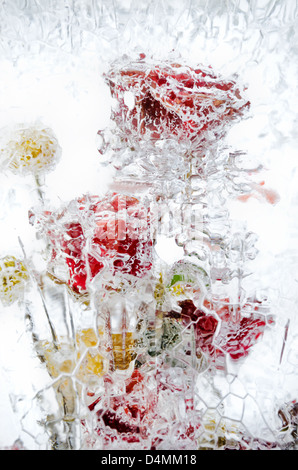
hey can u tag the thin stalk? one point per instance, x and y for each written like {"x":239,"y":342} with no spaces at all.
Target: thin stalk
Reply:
{"x":39,"y":288}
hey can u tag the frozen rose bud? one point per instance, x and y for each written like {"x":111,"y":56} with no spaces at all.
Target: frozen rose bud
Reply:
{"x":168,"y":100}
{"x":218,"y":332}
{"x":144,"y":410}
{"x":128,"y":413}
{"x":13,"y":279}
{"x":29,"y":150}
{"x":240,"y":329}
{"x":93,"y":233}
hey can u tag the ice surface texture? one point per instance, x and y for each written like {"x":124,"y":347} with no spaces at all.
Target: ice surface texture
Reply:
{"x":151,"y":293}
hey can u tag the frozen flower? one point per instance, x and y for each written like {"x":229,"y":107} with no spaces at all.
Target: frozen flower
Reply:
{"x":146,"y":412}
{"x":91,"y":234}
{"x":29,"y":150}
{"x":219,"y":332}
{"x":241,"y":327}
{"x":186,"y":278}
{"x":170,"y":100}
{"x":64,"y":357}
{"x":13,"y":279}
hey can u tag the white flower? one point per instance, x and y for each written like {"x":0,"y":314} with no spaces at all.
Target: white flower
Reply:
{"x":30,"y":150}
{"x":13,"y":279}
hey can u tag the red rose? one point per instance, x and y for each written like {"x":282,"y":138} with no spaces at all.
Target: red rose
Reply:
{"x":206,"y":327}
{"x":135,"y":415}
{"x":173,"y":100}
{"x":238,"y":333}
{"x":240,"y":337}
{"x":125,"y":417}
{"x":92,"y":233}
